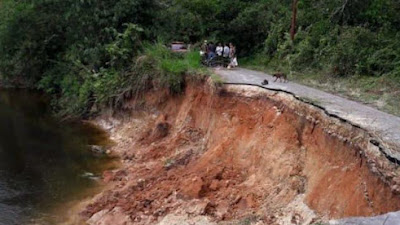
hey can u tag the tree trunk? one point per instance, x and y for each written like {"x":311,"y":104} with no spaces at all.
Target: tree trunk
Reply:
{"x":294,"y":18}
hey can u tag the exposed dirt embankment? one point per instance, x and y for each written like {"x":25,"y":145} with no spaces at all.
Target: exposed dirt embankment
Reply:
{"x":239,"y":154}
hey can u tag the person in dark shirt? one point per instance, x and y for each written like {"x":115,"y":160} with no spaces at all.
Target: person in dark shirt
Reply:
{"x":213,"y":47}
{"x":211,"y":50}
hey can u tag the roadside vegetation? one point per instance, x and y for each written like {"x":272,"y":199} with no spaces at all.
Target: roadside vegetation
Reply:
{"x":88,"y":54}
{"x":381,"y":92}
{"x":92,"y":54}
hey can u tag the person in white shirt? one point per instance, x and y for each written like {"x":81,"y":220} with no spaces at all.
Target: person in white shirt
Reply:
{"x":219,"y":49}
{"x":226,"y":51}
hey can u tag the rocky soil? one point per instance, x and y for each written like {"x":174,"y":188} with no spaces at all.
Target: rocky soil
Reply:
{"x":239,"y":155}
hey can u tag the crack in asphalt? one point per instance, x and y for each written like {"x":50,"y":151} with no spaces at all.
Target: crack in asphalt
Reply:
{"x":381,"y":127}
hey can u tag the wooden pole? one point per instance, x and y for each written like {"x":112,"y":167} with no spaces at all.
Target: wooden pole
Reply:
{"x":294,"y":19}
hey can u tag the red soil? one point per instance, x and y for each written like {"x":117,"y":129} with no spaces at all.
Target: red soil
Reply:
{"x":228,"y":156}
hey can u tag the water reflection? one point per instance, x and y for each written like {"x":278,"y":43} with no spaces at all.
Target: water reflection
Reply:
{"x":41,"y":160}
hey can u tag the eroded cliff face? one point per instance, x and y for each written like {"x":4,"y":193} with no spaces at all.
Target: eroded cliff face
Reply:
{"x":239,"y":154}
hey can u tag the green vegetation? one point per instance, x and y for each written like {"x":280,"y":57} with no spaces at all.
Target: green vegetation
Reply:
{"x":382,"y":92}
{"x":87,"y":54}
{"x":249,"y":220}
{"x":91,"y":54}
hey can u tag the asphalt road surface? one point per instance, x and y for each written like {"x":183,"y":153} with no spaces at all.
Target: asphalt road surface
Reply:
{"x":383,"y":125}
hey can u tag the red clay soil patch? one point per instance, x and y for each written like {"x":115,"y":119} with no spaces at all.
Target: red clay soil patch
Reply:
{"x":228,"y":156}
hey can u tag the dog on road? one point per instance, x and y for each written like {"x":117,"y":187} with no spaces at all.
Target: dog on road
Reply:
{"x":281,"y":76}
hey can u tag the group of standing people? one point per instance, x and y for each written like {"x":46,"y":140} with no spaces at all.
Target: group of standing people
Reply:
{"x":226,"y":53}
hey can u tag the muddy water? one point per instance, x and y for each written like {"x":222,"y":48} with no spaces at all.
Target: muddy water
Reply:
{"x":43,"y":163}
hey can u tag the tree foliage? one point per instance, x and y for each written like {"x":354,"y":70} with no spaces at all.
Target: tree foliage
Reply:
{"x":89,"y":52}
{"x":77,"y":51}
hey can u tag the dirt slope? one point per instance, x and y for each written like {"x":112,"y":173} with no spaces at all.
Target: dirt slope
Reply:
{"x":383,"y":125}
{"x":243,"y":155}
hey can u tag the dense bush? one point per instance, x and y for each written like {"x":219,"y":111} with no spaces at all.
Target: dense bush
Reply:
{"x":341,"y":37}
{"x":89,"y":53}
{"x":78,"y":51}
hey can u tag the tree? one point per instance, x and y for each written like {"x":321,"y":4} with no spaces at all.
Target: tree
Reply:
{"x":294,"y":18}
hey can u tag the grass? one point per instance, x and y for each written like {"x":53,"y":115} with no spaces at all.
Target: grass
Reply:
{"x":175,"y":63}
{"x":172,"y":62}
{"x":216,"y":78}
{"x":381,"y":92}
{"x":170,"y":68}
{"x":312,"y":101}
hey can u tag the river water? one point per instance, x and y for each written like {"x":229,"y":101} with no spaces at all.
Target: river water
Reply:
{"x":44,"y":164}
